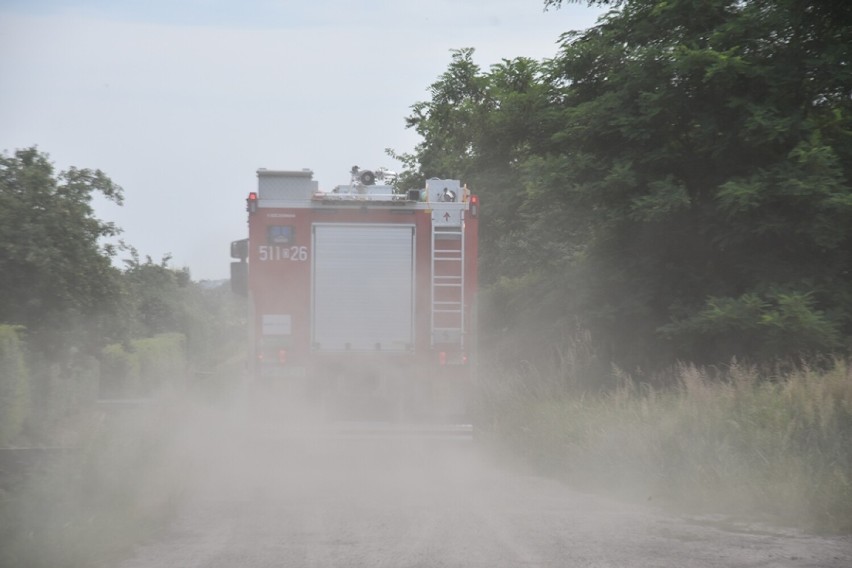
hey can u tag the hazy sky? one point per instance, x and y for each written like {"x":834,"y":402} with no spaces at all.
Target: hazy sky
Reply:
{"x":180,"y":101}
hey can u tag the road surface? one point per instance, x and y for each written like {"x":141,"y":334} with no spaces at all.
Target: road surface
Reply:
{"x":260,"y":501}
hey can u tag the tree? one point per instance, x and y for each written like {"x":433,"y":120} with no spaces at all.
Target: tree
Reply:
{"x":714,"y":142}
{"x":67,"y":302}
{"x":55,"y":275}
{"x":682,"y":187}
{"x":155,"y":291}
{"x":161,"y":298}
{"x":480,"y":127}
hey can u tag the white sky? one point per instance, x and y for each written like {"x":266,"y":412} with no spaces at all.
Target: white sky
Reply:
{"x":180,"y":101}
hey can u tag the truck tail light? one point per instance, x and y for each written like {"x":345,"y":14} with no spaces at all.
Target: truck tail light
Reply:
{"x":251,"y":202}
{"x":445,"y":358}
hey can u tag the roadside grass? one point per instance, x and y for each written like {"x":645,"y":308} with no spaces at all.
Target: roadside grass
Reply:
{"x":773,"y":446}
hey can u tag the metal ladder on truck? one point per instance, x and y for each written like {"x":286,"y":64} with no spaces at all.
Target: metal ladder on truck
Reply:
{"x":447,"y":319}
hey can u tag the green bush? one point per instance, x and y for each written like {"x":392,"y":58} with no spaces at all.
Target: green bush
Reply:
{"x":162,"y":360}
{"x":144,"y":366}
{"x":14,"y":386}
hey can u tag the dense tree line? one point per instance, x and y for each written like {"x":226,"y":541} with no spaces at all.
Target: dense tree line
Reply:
{"x":676,"y":180}
{"x":63,"y":299}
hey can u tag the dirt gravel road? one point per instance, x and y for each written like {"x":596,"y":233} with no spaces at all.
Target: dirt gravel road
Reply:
{"x":380,"y":503}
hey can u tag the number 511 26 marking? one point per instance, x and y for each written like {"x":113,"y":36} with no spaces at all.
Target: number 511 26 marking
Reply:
{"x":275,"y":252}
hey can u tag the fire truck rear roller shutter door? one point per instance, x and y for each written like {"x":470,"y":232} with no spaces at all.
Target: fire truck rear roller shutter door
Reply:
{"x":363,"y":287}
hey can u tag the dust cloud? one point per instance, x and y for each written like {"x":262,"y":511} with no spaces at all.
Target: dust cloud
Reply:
{"x":260,"y":482}
{"x":268,"y":443}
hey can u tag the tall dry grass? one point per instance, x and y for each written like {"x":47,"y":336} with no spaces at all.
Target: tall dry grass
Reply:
{"x":736,"y":441}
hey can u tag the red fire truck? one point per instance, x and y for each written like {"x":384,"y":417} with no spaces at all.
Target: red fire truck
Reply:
{"x":363,"y":296}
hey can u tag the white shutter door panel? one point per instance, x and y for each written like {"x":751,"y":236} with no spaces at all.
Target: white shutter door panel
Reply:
{"x":363,"y":287}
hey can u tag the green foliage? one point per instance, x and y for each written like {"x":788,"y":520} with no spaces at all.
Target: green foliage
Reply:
{"x":760,"y":326}
{"x":83,"y":329}
{"x":675,"y":160}
{"x":729,"y":119}
{"x":161,"y":299}
{"x":155,"y":294}
{"x":162,"y":360}
{"x":57,"y":282}
{"x":14,"y":386}
{"x":478,"y":127}
{"x":144,"y":366}
{"x":55,"y":277}
{"x":218,"y":330}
